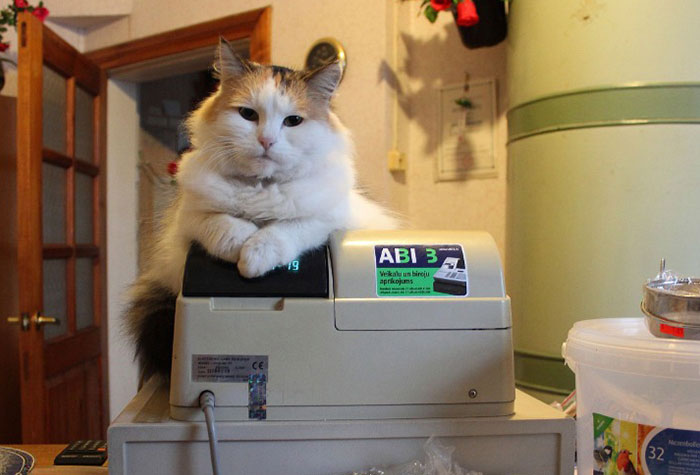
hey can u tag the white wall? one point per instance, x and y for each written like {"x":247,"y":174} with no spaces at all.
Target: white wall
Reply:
{"x":435,"y":57}
{"x":122,"y":210}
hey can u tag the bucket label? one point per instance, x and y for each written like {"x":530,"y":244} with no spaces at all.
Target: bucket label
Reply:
{"x":418,"y":270}
{"x":627,"y":447}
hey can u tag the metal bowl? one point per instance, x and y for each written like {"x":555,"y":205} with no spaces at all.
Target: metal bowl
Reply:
{"x":672,"y":305}
{"x":677,"y":301}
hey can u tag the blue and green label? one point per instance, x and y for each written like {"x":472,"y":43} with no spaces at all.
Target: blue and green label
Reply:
{"x":437,"y":270}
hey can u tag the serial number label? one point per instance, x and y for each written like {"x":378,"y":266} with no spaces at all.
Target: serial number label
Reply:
{"x":228,"y":368}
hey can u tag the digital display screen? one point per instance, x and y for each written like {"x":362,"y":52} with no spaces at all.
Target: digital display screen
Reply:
{"x":293,"y":266}
{"x":206,"y":276}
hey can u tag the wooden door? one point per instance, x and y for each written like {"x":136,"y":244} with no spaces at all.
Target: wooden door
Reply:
{"x":60,"y":245}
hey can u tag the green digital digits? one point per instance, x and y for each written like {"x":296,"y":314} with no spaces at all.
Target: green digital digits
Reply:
{"x":432,"y":256}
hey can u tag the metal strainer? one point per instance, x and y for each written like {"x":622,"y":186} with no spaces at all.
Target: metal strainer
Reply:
{"x":672,"y":305}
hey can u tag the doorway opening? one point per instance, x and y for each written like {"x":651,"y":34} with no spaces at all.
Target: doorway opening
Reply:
{"x":167,"y":92}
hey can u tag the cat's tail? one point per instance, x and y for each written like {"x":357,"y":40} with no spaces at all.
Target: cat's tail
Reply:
{"x":150,"y":321}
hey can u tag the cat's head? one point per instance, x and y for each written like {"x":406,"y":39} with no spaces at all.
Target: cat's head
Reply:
{"x":267,"y":121}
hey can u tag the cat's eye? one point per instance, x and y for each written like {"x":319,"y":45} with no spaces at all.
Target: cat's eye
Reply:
{"x":293,"y":120}
{"x":247,"y":113}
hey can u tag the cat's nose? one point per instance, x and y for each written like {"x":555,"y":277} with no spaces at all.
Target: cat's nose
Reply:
{"x":266,"y":142}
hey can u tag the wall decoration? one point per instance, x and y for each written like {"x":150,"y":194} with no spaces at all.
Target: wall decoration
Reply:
{"x":467,"y":138}
{"x":325,"y":51}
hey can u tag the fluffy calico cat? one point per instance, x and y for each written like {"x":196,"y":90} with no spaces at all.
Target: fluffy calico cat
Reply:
{"x":269,"y":176}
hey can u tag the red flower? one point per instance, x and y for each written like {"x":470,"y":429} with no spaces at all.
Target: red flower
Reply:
{"x":21,"y":3}
{"x":4,"y":46}
{"x":41,"y":13}
{"x":172,"y":168}
{"x":466,"y":13}
{"x":440,"y":5}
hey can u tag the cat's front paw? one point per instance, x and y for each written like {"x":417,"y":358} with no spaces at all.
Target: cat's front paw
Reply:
{"x":259,"y":255}
{"x":237,"y":234}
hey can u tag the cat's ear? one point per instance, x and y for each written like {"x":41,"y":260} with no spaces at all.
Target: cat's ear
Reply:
{"x":229,"y":64}
{"x":323,"y":81}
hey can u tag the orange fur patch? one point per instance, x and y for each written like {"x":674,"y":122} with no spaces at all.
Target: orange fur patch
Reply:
{"x":289,"y":82}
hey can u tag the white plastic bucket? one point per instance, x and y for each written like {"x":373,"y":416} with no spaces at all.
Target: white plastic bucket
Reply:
{"x":628,"y":377}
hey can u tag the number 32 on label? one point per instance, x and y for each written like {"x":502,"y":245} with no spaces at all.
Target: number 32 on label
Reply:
{"x":655,"y":453}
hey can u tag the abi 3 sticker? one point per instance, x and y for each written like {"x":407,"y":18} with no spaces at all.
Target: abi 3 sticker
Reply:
{"x":435,"y":270}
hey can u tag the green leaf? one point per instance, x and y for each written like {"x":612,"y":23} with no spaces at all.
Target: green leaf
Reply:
{"x":424,"y":3}
{"x":455,"y":2}
{"x":464,"y":102}
{"x":431,"y":14}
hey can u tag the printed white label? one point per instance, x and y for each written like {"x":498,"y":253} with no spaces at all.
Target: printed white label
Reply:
{"x":228,"y":368}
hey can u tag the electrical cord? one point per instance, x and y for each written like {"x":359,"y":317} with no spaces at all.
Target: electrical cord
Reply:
{"x":206,"y":402}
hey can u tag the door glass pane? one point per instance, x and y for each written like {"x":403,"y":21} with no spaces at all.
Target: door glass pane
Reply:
{"x":54,"y":111}
{"x":83,"y":125}
{"x":83,"y":292}
{"x":55,"y":296}
{"x":83,"y":208}
{"x":53,"y":200}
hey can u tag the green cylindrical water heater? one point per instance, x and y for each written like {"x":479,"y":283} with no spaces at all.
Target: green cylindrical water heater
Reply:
{"x":603,"y":165}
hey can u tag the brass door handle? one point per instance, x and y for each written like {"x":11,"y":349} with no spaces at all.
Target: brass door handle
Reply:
{"x":40,"y":320}
{"x":22,"y":320}
{"x":25,"y":320}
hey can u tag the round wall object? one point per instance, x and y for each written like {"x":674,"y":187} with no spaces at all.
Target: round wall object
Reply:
{"x":324,"y":51}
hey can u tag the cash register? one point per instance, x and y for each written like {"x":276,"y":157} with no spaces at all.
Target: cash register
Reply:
{"x":357,"y":330}
{"x":378,"y":340}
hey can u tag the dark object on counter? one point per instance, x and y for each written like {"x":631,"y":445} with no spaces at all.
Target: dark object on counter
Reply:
{"x":492,"y":27}
{"x":83,"y":452}
{"x":206,"y":276}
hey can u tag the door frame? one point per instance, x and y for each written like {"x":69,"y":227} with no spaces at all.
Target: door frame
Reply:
{"x":254,"y":25}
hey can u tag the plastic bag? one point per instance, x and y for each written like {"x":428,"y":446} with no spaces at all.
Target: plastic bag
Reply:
{"x":438,"y":461}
